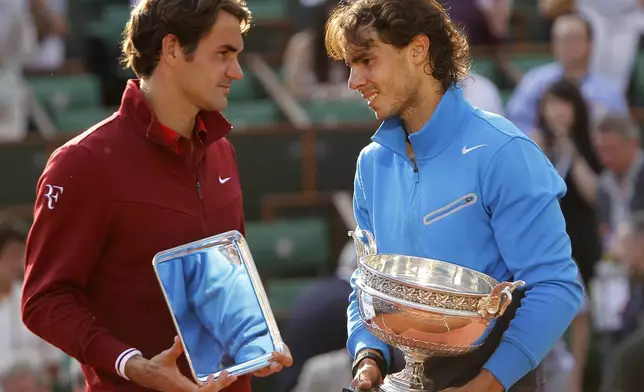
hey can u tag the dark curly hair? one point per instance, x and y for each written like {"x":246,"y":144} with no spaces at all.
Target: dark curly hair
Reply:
{"x":188,"y":20}
{"x":397,"y":22}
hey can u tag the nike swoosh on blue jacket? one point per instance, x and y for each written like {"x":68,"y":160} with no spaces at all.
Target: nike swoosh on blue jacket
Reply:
{"x":494,"y":209}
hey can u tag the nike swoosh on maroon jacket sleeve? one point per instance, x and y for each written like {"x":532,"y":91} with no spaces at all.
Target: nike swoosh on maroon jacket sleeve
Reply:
{"x":64,"y":245}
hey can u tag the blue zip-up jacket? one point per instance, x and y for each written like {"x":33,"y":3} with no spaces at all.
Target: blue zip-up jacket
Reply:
{"x":481,"y":195}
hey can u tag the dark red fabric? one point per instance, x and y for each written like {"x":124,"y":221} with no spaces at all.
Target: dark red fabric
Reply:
{"x":107,"y":202}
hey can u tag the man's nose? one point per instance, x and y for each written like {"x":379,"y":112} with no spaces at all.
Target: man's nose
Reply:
{"x":234,"y":71}
{"x":355,"y":80}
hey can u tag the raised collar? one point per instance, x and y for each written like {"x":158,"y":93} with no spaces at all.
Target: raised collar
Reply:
{"x":437,"y":133}
{"x":209,"y":127}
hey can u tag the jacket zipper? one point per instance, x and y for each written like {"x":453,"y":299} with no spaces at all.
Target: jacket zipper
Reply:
{"x":410,"y":217}
{"x":449,"y":209}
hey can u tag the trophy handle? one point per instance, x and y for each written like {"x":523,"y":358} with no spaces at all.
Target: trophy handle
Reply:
{"x":364,"y":249}
{"x":495,"y":304}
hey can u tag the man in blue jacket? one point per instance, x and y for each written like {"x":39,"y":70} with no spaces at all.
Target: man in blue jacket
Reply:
{"x":447,"y":181}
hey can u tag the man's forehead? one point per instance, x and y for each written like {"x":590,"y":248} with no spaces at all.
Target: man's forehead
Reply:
{"x":569,"y":24}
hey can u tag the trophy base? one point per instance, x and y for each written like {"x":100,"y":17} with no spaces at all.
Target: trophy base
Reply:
{"x":411,"y":379}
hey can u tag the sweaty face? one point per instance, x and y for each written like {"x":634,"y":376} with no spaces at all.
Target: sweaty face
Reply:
{"x":571,"y":41}
{"x":384,"y":77}
{"x":206,"y":75}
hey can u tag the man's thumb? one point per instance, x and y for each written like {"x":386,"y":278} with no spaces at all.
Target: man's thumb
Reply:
{"x":176,"y":350}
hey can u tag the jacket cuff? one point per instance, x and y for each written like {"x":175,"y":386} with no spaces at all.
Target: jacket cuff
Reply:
{"x":122,"y":359}
{"x":103,"y":352}
{"x":364,"y":339}
{"x":509,"y":363}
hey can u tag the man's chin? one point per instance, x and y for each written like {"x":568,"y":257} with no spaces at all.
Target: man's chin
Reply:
{"x":219,"y":106}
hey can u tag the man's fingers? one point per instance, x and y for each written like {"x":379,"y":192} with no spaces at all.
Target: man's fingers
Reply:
{"x":365,"y":381}
{"x":224,"y":380}
{"x":367,"y":377}
{"x":276,"y":367}
{"x":283,"y":359}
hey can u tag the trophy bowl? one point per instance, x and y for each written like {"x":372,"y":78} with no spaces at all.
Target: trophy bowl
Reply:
{"x":425,"y":308}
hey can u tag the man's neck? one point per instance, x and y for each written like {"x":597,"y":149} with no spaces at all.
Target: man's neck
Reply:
{"x":422,"y":110}
{"x":168,"y":108}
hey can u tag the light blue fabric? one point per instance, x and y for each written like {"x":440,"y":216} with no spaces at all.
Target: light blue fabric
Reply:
{"x":493,"y":208}
{"x":602,"y":95}
{"x":217,"y":311}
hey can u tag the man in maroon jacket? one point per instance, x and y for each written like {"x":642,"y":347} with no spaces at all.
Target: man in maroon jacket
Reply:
{"x":156,"y":174}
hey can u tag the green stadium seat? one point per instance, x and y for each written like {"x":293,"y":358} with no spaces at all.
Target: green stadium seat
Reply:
{"x":254,"y":112}
{"x":526,"y":62}
{"x":337,"y":155}
{"x":79,"y":120}
{"x":282,"y":293}
{"x":59,"y":93}
{"x":486,"y":66}
{"x":110,"y":27}
{"x":289,"y":248}
{"x":269,"y":163}
{"x":268,"y":9}
{"x":335,"y":112}
{"x":21,"y":166}
{"x":246,"y":89}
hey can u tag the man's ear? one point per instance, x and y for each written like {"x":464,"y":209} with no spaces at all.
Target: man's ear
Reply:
{"x":419,"y":47}
{"x":171,"y":50}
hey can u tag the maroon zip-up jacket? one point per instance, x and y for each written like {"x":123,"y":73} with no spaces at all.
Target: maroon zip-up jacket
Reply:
{"x":107,"y":202}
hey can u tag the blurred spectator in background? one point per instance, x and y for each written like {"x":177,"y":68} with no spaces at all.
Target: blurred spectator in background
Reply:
{"x":321,"y":312}
{"x":51,"y":26}
{"x":308,"y":72}
{"x":617,"y":27}
{"x":24,"y":376}
{"x":564,"y":134}
{"x":17,"y":40}
{"x":572,"y":41}
{"x":551,"y":9}
{"x":17,"y":343}
{"x":624,"y":371}
{"x":486,"y":23}
{"x":621,"y":184}
{"x":481,"y":92}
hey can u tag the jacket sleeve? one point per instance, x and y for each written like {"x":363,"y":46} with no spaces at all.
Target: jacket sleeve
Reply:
{"x":63,"y":248}
{"x":521,"y":191}
{"x":223,"y":297}
{"x":359,"y":337}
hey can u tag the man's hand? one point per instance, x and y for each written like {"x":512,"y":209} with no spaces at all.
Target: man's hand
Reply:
{"x":161,"y":373}
{"x":281,"y":361}
{"x":367,"y":376}
{"x":484,"y":382}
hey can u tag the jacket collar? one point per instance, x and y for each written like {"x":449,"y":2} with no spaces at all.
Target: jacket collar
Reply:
{"x":435,"y":136}
{"x":209,"y":127}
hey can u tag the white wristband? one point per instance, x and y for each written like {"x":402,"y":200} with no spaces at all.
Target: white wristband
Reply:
{"x":122,"y":359}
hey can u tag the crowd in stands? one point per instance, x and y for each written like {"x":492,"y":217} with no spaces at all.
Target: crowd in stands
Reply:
{"x":580,"y":108}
